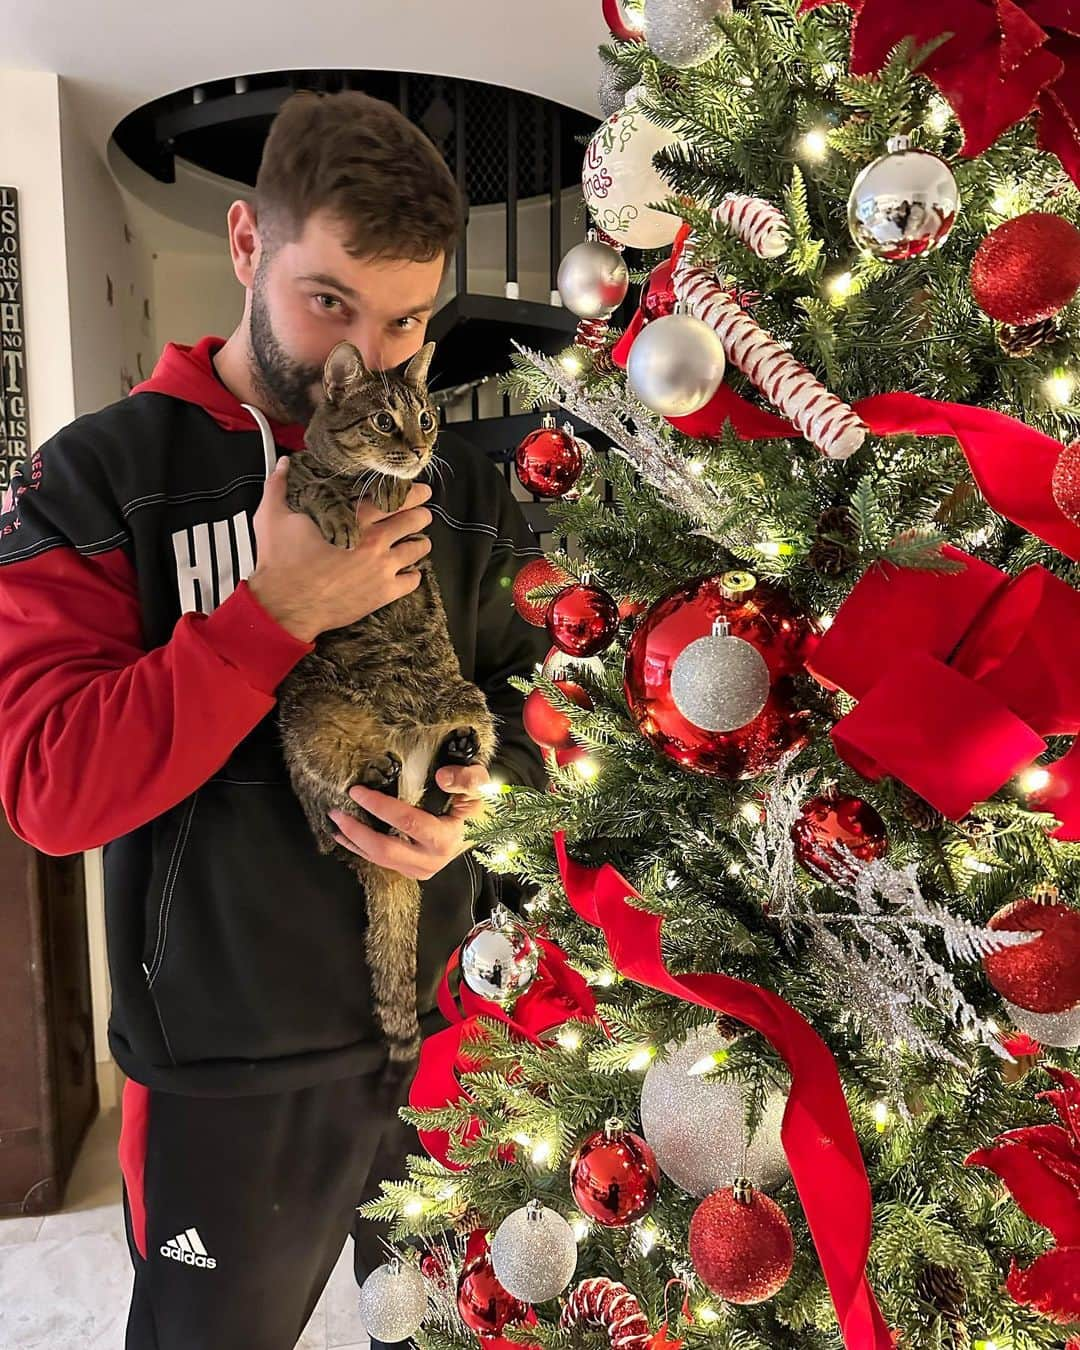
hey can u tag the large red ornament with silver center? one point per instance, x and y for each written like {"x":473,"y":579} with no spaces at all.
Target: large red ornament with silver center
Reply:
{"x":536,"y":572}
{"x":483,"y":1303}
{"x":1027,"y":269}
{"x":582,"y":619}
{"x":547,"y":726}
{"x":833,"y":825}
{"x":615,"y":1177}
{"x":758,"y":614}
{"x":549,"y":460}
{"x":1043,"y":975}
{"x":741,"y":1244}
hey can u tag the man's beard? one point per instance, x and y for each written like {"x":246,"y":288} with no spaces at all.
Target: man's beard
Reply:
{"x":285,"y":383}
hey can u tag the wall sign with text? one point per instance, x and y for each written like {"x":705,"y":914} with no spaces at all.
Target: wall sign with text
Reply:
{"x":14,"y":403}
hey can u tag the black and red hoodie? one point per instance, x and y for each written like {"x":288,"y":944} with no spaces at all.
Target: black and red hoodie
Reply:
{"x":137,"y":712}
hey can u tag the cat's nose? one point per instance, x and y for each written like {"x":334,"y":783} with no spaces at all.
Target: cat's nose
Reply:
{"x":418,"y":451}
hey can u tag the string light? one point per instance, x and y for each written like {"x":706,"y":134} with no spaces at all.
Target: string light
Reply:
{"x":696,"y":467}
{"x":581,"y":1229}
{"x":734,"y":869}
{"x":825,"y":621}
{"x":772,"y":548}
{"x":1034,"y":779}
{"x":751,"y":811}
{"x":938,"y":114}
{"x":571,"y":363}
{"x":815,"y":144}
{"x":605,"y":977}
{"x":586,"y":768}
{"x":707,"y":1063}
{"x":839,"y":287}
{"x":569,"y":1040}
{"x":1059,"y":386}
{"x":881,"y":1116}
{"x":707,"y":1314}
{"x":414,"y":1207}
{"x":642,"y":1059}
{"x":647,"y":1234}
{"x":493,"y":786}
{"x":541,"y":1154}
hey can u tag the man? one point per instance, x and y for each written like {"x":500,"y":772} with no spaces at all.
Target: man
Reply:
{"x":154,"y":590}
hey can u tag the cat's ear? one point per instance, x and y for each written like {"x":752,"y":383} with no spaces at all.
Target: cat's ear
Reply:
{"x":416,"y":372}
{"x":344,"y":371}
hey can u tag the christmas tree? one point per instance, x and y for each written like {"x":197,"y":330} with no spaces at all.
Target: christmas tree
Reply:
{"x":778,"y":1053}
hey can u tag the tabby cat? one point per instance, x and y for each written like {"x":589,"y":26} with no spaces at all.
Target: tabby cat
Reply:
{"x":381,"y":702}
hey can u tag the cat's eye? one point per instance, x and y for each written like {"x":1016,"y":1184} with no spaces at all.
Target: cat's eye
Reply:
{"x":384,"y":422}
{"x":427,"y":421}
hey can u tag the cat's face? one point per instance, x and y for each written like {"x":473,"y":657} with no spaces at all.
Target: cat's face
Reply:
{"x":374,"y":420}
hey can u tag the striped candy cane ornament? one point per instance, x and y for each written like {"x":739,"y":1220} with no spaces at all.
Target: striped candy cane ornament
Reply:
{"x":606,"y":1303}
{"x":759,"y":224}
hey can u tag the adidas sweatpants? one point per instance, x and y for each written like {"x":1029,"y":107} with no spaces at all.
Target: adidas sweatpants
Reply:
{"x":236,"y":1208}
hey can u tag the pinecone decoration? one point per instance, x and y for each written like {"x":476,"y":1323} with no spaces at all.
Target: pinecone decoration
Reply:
{"x":602,"y":363}
{"x":1028,"y":337}
{"x":469,"y":1221}
{"x":943,"y":1288}
{"x":917,"y":811}
{"x":669,"y":82}
{"x":831,"y":553}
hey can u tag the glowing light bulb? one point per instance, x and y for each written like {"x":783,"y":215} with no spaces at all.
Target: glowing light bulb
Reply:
{"x":642,"y":1059}
{"x":734,"y":869}
{"x":706,"y":1063}
{"x":881,"y":1116}
{"x":696,"y":467}
{"x":414,"y":1206}
{"x":938,"y":114}
{"x":1034,"y":779}
{"x":1059,"y":387}
{"x":570,"y":363}
{"x":569,"y":1040}
{"x":581,"y":1229}
{"x":839,"y":287}
{"x":492,"y":787}
{"x":707,"y":1314}
{"x":752,"y":812}
{"x":586,"y":768}
{"x":815,"y":144}
{"x":647,"y":1234}
{"x":541,"y":1154}
{"x":605,"y":977}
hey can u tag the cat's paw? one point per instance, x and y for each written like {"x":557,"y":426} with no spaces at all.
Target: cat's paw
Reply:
{"x":462,"y":746}
{"x":381,"y":774}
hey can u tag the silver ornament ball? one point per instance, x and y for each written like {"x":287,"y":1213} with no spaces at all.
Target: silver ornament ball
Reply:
{"x":682,"y":32}
{"x":611,"y":91}
{"x":499,"y":958}
{"x":593,"y":280}
{"x":904,"y":204}
{"x":1060,"y":1029}
{"x":534,"y":1253}
{"x":675,"y":365}
{"x":393,"y":1302}
{"x":719,"y":682}
{"x":697,"y":1127}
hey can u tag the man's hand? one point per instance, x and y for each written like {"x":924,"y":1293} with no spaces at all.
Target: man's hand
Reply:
{"x":431,"y":841}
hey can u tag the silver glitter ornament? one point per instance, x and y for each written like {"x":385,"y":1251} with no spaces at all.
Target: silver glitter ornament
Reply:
{"x":534,"y":1253}
{"x":697,"y":1127}
{"x":904,"y":204}
{"x":611,"y":91}
{"x":593,"y":279}
{"x":675,"y":365}
{"x":393,"y":1302}
{"x":682,"y":32}
{"x":498,"y":958}
{"x":1060,"y":1029}
{"x":719,"y":682}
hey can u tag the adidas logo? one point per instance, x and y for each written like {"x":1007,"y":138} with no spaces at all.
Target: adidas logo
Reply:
{"x":187,"y":1248}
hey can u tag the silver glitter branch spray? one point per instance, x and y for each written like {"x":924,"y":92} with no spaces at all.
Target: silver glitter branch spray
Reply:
{"x":644,"y":447}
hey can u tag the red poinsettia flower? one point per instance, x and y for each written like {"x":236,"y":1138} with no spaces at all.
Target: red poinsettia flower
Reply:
{"x":1004,"y":60}
{"x":1040,"y":1165}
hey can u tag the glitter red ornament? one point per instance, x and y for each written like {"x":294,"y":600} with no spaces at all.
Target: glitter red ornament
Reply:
{"x":759,"y":614}
{"x":582,"y":619}
{"x":1065,"y":482}
{"x":614,"y":1176}
{"x":549,"y":460}
{"x":741,"y":1244}
{"x":833,"y":825}
{"x":546,"y":725}
{"x":658,"y":294}
{"x":1043,"y":975}
{"x":536,"y":572}
{"x":483,"y":1303}
{"x":1027,"y":269}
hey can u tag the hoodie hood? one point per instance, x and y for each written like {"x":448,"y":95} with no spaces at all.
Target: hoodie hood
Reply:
{"x":188,"y":373}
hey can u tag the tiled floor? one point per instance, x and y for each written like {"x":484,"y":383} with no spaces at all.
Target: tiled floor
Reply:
{"x":65,"y":1279}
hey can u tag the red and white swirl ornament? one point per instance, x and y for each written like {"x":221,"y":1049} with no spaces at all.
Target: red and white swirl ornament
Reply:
{"x":825,"y":420}
{"x":607,"y":1304}
{"x":760,"y":225}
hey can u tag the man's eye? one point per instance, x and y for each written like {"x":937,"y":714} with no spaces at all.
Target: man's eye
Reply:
{"x":384,"y":421}
{"x":332,"y":298}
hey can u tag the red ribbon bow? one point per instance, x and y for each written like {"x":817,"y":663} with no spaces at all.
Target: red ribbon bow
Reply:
{"x":958,"y":677}
{"x":817,"y":1134}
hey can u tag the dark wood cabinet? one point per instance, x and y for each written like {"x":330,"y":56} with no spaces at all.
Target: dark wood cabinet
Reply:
{"x":48,"y":1084}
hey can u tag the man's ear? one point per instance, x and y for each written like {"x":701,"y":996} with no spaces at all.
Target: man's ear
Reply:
{"x":416,"y":372}
{"x":343,"y":372}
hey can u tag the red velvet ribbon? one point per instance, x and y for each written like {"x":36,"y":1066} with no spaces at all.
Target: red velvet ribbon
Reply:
{"x":556,"y":994}
{"x":1012,"y":463}
{"x":817,"y":1134}
{"x":959,"y":676}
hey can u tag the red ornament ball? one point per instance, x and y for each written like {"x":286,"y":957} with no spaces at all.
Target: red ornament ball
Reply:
{"x":1027,"y":269}
{"x":1065,"y":482}
{"x":547,"y":726}
{"x":582,"y":620}
{"x":658,"y":293}
{"x":615,"y":1177}
{"x":830,"y":826}
{"x":537,"y":572}
{"x":569,"y":755}
{"x":742,"y":1250}
{"x":433,"y":1269}
{"x":1043,"y":975}
{"x":759,"y":614}
{"x":549,"y":461}
{"x":484,"y":1304}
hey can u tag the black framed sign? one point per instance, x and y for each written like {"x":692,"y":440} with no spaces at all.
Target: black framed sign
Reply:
{"x":14,"y":402}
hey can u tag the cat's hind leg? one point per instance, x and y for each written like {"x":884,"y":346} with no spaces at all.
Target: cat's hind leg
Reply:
{"x":382,"y":774}
{"x":460,"y":746}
